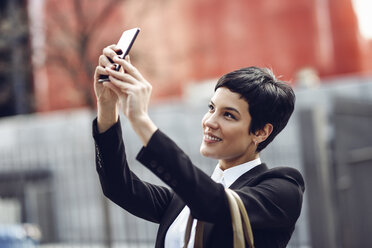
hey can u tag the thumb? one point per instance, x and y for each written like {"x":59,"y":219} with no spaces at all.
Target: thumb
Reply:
{"x":127,"y":58}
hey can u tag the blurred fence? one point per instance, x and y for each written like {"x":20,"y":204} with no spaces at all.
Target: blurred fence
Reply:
{"x":48,"y":177}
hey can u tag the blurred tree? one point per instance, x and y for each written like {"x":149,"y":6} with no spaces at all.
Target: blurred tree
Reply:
{"x":16,"y":91}
{"x":74,"y":30}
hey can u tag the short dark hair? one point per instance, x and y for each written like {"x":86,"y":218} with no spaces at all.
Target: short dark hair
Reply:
{"x":270,"y":100}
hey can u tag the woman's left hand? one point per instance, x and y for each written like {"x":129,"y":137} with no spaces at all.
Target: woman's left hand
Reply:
{"x":134,"y":93}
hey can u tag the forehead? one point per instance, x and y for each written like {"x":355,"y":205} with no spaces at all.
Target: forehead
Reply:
{"x":225,"y":98}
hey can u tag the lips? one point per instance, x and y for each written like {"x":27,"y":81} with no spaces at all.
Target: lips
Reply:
{"x":210,"y":138}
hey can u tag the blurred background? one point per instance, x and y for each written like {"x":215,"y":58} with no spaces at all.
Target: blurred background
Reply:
{"x":49,"y":191}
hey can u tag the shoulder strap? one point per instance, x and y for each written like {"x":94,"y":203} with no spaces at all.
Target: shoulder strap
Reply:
{"x":241,"y":225}
{"x":244,"y":215}
{"x":198,"y":239}
{"x":238,"y":236}
{"x":190,"y":220}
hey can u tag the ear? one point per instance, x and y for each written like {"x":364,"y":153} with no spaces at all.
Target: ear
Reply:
{"x":262,"y":134}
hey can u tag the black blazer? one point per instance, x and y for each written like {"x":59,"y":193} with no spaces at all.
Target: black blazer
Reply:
{"x":272,"y":197}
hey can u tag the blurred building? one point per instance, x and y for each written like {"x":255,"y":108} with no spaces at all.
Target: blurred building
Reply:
{"x":16,"y":85}
{"x":185,"y":42}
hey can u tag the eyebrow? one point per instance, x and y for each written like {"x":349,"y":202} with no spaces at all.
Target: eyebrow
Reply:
{"x":228,"y":108}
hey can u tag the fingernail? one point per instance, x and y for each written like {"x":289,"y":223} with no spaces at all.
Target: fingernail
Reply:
{"x":119,"y":52}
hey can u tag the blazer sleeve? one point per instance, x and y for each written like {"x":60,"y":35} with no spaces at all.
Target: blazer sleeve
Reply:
{"x":120,"y":184}
{"x":271,"y":202}
{"x":275,"y":200}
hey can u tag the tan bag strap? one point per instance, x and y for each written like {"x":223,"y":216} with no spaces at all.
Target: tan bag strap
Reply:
{"x":190,"y":220}
{"x":246,"y":222}
{"x":198,"y":242}
{"x":199,"y":230}
{"x":241,"y":225}
{"x":236,"y":221}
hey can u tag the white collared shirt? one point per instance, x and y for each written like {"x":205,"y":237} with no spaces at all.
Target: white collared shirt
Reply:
{"x":176,"y":232}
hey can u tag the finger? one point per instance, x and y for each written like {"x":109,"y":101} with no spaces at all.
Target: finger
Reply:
{"x":128,"y":68}
{"x":124,"y":87}
{"x":117,"y":49}
{"x":111,"y":51}
{"x":104,"y":61}
{"x":121,"y":76}
{"x":100,"y":71}
{"x":127,"y":58}
{"x":112,"y":87}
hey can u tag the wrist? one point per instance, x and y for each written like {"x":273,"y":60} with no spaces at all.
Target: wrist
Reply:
{"x":106,"y":117}
{"x":102,"y":104}
{"x":144,"y":127}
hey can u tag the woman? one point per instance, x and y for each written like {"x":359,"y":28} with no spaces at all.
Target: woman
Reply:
{"x":248,"y":109}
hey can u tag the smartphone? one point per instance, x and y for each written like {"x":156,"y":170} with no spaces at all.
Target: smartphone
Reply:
{"x":125,"y":44}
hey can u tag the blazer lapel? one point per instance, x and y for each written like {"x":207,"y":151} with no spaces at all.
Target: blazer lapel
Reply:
{"x":248,"y":177}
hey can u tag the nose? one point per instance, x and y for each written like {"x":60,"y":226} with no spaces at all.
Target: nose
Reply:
{"x":210,"y":121}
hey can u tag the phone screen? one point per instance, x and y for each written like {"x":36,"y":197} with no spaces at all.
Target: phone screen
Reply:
{"x":126,"y":40}
{"x":125,"y":44}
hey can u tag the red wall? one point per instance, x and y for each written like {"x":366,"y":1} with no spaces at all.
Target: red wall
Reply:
{"x":188,"y":41}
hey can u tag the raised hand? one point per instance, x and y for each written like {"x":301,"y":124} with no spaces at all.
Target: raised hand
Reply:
{"x":107,"y":100}
{"x":131,"y":88}
{"x":132,"y":91}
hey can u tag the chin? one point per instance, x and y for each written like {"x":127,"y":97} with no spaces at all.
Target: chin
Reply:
{"x":208,"y":154}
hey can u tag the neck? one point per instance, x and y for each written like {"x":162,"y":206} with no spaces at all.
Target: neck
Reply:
{"x":229,"y":163}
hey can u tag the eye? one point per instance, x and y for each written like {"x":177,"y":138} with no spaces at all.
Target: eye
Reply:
{"x":230,"y":116}
{"x":210,"y":107}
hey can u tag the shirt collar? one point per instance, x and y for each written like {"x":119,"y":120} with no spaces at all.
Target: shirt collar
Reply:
{"x":229,"y":176}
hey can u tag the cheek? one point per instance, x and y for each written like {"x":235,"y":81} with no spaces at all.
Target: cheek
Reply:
{"x":239,"y":137}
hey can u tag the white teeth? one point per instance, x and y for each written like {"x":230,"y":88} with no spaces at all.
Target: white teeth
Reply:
{"x":212,"y":138}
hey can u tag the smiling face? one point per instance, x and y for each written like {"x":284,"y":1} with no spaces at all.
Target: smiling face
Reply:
{"x":226,"y":130}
